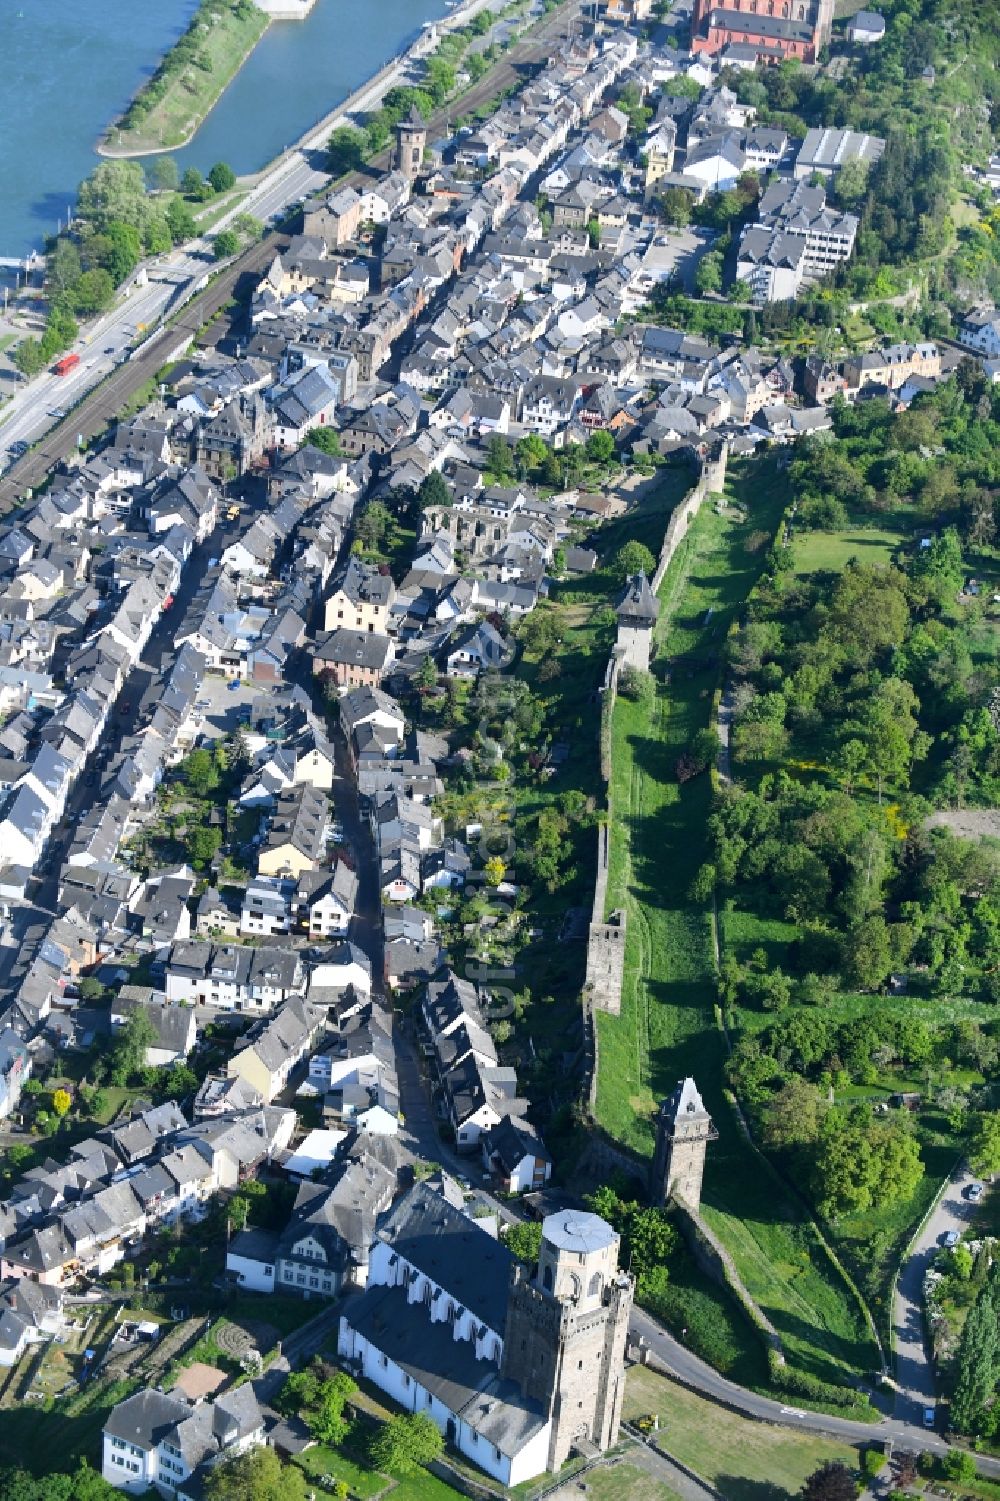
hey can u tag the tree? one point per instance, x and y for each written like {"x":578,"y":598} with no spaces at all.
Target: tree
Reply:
{"x":162,"y":174}
{"x":531,"y":451}
{"x":494,"y":870}
{"x":372,"y":525}
{"x":64,"y":266}
{"x":868,"y":953}
{"x":600,"y":447}
{"x":792,"y":1117}
{"x":29,"y":357}
{"x":129,"y":1052}
{"x":433,"y":491}
{"x":428,"y":675}
{"x":225,"y":244}
{"x":222,"y":177}
{"x":326,"y":439}
{"x":701,"y":752}
{"x":708,"y":277}
{"x":61,"y":1101}
{"x":524,"y":1240}
{"x":125,"y":250}
{"x":94,"y":292}
{"x":633,"y":557}
{"x":852,"y":182}
{"x":675,"y":207}
{"x":984,"y":1148}
{"x":959,"y":1466}
{"x":180,"y":221}
{"x":326,"y":1421}
{"x":499,"y":458}
{"x":346,"y":150}
{"x":201,"y":773}
{"x":257,"y":1475}
{"x":192,"y":183}
{"x":978,"y":1361}
{"x":402,"y":1444}
{"x":114,"y":190}
{"x":202,"y":845}
{"x":833,"y":1481}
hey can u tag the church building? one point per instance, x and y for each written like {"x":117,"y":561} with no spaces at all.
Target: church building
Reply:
{"x":518,"y":1367}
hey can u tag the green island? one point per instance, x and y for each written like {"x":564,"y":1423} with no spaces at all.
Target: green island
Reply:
{"x":168,"y":110}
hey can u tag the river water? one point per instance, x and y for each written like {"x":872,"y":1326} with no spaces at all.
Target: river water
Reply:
{"x":69,"y":66}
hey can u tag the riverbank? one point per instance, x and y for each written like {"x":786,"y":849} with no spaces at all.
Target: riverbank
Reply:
{"x":168,"y":111}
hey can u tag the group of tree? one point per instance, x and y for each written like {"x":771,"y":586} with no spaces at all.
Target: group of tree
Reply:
{"x":84,"y":1484}
{"x":648,"y":1239}
{"x":117,"y":223}
{"x":974,"y":1407}
{"x":318,"y":1395}
{"x":533,"y":459}
{"x":255,"y":1475}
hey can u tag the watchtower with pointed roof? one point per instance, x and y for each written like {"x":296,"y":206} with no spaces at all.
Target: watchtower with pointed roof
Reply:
{"x":637,"y":612}
{"x":684,"y":1129}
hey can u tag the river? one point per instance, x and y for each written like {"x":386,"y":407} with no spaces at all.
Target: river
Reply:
{"x":69,"y":66}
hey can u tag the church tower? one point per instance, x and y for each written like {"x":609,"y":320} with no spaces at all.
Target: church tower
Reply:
{"x":411,"y":138}
{"x":567,"y":1322}
{"x":683,"y":1131}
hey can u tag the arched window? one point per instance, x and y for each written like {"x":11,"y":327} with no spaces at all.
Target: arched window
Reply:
{"x":547,"y":1279}
{"x":594,"y":1291}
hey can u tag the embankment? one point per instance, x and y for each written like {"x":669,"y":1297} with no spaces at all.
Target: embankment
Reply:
{"x":169,"y":109}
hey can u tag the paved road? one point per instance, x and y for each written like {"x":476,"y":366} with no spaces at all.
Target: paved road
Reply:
{"x":680,"y":1362}
{"x":104,"y":344}
{"x":914,"y":1370}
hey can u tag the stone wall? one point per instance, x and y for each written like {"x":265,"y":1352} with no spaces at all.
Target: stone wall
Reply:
{"x":711,"y":481}
{"x":716,"y":1262}
{"x":606,"y":938}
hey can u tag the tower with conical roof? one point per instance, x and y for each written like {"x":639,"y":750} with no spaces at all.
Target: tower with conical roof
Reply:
{"x":683,"y":1131}
{"x":411,"y":138}
{"x":637,"y":612}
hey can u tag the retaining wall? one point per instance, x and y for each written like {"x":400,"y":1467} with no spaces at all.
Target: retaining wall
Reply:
{"x":713,"y":1259}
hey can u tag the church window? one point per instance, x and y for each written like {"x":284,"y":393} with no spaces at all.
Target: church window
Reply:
{"x":547,"y":1279}
{"x":595,"y":1285}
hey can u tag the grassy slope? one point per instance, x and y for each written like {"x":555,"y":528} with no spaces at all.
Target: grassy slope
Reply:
{"x":746,"y":1461}
{"x":742,"y":931}
{"x":667,"y":1027}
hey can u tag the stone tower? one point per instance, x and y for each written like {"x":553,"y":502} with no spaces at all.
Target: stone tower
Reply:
{"x":567,"y":1322}
{"x":411,"y":138}
{"x":637,"y":611}
{"x":683,"y":1131}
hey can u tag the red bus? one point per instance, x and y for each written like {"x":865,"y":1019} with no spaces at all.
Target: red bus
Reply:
{"x":66,"y":364}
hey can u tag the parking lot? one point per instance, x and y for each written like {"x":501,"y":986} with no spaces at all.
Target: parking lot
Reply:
{"x":222,"y":708}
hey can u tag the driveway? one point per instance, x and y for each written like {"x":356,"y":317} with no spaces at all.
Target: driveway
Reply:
{"x":914,"y":1371}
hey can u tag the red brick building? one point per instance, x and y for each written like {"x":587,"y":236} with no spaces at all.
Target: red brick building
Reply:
{"x":776,"y":29}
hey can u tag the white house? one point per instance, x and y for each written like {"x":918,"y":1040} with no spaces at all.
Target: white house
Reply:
{"x":981,"y":331}
{"x":156,"y":1439}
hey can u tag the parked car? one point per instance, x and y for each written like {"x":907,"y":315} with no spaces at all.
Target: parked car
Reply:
{"x":974,"y":1192}
{"x":928,"y":1417}
{"x":950,"y":1238}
